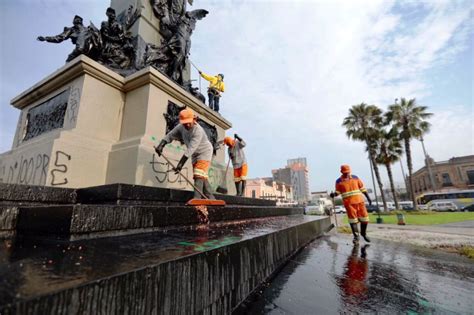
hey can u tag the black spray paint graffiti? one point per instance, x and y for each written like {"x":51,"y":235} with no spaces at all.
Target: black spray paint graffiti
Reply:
{"x":73,"y":105}
{"x":164,"y":172}
{"x":33,"y":170}
{"x":60,"y":168}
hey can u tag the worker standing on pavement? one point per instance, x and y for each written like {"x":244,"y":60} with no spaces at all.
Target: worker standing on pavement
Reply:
{"x":215,"y":90}
{"x":198,"y":147}
{"x":239,"y":162}
{"x":351,"y":189}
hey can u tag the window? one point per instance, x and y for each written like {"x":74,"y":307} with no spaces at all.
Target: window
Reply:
{"x":446,"y":180}
{"x":470,"y":177}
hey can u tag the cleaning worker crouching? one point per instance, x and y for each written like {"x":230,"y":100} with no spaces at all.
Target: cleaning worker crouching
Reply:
{"x":198,"y":147}
{"x":351,"y":188}
{"x":239,"y":162}
{"x":216,"y":87}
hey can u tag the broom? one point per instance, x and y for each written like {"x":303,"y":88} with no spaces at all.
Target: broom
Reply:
{"x":222,"y":189}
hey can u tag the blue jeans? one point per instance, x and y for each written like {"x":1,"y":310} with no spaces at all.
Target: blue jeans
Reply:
{"x":213,"y":101}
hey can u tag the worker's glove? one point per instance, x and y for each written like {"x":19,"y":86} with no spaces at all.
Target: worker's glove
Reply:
{"x":180,"y":165}
{"x":236,"y":136}
{"x":332,"y":195}
{"x":200,"y":72}
{"x":160,"y":147}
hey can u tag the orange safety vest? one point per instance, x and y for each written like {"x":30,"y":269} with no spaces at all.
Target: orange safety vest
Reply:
{"x":350,"y":189}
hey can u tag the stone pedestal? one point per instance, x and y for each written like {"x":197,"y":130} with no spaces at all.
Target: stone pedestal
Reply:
{"x":85,"y":125}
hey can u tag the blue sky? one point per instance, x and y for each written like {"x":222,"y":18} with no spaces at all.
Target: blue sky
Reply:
{"x":292,"y":69}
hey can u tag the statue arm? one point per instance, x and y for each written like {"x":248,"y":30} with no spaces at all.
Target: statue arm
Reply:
{"x":58,"y":38}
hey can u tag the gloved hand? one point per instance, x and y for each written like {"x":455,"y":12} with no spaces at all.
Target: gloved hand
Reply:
{"x":236,"y":136}
{"x":180,"y":165}
{"x":200,"y":72}
{"x":160,"y":147}
{"x":332,"y":195}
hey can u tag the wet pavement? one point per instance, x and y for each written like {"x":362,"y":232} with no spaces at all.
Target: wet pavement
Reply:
{"x":332,"y":276}
{"x":40,"y":266}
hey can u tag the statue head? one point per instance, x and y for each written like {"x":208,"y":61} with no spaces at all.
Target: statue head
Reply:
{"x":77,"y":20}
{"x":110,"y":13}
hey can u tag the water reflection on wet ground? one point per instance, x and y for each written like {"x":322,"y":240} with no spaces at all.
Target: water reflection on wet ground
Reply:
{"x":37,"y":266}
{"x":332,"y":276}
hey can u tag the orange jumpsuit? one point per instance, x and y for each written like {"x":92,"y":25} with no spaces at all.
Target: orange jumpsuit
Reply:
{"x":351,"y":189}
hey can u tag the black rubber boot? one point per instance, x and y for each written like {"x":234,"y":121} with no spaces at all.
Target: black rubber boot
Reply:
{"x":355,"y":232}
{"x":363,"y":231}
{"x":208,"y":190}
{"x":199,"y":183}
{"x":242,"y":188}
{"x":238,"y":187}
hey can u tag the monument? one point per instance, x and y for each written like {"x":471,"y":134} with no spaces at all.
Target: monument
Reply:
{"x":93,"y":121}
{"x":92,"y":221}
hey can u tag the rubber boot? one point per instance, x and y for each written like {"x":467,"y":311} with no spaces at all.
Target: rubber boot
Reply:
{"x":208,"y":190}
{"x":238,"y":187}
{"x":242,"y":188}
{"x":355,"y":232}
{"x":199,"y":183}
{"x":363,"y":231}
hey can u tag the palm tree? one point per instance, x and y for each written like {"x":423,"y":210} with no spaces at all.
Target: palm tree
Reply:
{"x":363,"y":124}
{"x":410,"y":118}
{"x":389,"y":151}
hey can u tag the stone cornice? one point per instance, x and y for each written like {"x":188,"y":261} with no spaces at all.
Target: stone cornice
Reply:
{"x":84,"y":65}
{"x":152,"y":76}
{"x":70,"y":71}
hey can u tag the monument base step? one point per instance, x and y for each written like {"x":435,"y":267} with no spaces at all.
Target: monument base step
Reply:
{"x":203,"y":269}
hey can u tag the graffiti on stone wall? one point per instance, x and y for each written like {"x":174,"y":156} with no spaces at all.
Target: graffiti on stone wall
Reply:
{"x":164,"y":172}
{"x":58,"y":173}
{"x":73,"y":105}
{"x":34,"y":169}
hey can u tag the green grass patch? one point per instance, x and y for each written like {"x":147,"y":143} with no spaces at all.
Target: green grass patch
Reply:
{"x":422,"y":217}
{"x":467,"y":251}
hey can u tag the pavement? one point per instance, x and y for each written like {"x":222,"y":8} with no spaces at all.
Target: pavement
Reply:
{"x":332,"y":276}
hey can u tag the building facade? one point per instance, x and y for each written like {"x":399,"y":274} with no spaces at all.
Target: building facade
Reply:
{"x":268,"y":188}
{"x":455,"y":174}
{"x":295,"y":174}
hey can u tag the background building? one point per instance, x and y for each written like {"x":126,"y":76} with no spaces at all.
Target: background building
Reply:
{"x":268,"y":188}
{"x":296,"y":174}
{"x":455,"y":174}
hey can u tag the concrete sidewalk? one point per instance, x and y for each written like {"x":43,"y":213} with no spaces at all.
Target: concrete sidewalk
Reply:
{"x":331,"y":276}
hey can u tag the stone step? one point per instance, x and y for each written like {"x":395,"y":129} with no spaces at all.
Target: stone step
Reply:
{"x":100,"y":219}
{"x":135,"y":194}
{"x":12,"y":194}
{"x":206,"y":269}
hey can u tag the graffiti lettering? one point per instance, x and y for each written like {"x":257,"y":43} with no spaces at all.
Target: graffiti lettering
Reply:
{"x":33,"y":170}
{"x":164,"y":172}
{"x":73,"y":105}
{"x":60,"y":168}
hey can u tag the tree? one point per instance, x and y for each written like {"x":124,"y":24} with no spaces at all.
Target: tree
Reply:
{"x":389,"y":151}
{"x":363,"y":124}
{"x":410,"y":118}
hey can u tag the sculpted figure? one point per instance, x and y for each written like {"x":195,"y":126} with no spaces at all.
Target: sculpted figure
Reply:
{"x":86,"y":39}
{"x":117,"y":50}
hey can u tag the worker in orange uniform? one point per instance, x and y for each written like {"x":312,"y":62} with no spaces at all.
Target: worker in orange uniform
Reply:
{"x":351,"y":189}
{"x":198,"y":147}
{"x":215,"y":90}
{"x":239,"y":162}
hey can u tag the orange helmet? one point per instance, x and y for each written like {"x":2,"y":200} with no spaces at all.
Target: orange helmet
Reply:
{"x":229,"y":141}
{"x":186,"y":116}
{"x":345,"y":169}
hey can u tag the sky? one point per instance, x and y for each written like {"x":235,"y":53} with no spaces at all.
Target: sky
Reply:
{"x":292,"y":71}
